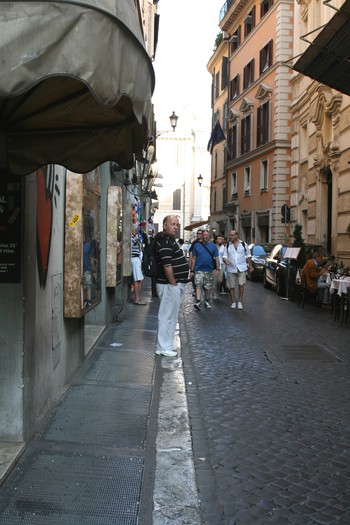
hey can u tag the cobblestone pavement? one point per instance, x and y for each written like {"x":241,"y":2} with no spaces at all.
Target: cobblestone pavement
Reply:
{"x":268,"y":395}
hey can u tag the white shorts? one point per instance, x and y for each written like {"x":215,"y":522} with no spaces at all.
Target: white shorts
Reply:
{"x":239,"y":278}
{"x":136,"y":269}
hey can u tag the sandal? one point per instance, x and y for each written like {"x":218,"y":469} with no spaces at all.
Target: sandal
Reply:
{"x":141,"y":303}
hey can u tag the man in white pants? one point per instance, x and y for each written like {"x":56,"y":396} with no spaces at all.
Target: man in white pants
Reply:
{"x":172,"y":276}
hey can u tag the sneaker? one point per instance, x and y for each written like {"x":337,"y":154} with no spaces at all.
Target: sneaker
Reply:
{"x":197,"y":306}
{"x":233,"y":305}
{"x":240,"y":306}
{"x":167,"y":353}
{"x":207,"y":305}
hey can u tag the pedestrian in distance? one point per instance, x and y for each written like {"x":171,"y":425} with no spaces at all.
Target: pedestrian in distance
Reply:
{"x":136,"y":264}
{"x":172,"y":276}
{"x":237,"y":258}
{"x":205,"y":262}
{"x":197,"y":239}
{"x":219,"y":276}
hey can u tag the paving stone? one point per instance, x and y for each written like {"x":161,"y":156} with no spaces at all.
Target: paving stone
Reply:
{"x":276,"y":430}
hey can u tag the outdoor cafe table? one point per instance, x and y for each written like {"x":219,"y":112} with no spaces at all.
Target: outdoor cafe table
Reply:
{"x":340,"y":285}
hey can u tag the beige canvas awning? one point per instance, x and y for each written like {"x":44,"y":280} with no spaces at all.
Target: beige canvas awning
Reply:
{"x":194,"y":225}
{"x":75,"y":84}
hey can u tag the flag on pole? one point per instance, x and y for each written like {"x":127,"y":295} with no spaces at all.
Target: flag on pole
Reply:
{"x":217,"y":135}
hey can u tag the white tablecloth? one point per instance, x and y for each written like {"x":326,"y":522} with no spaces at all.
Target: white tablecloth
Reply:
{"x":340,"y":285}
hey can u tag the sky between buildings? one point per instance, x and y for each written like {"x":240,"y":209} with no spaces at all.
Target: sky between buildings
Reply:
{"x":187,"y":33}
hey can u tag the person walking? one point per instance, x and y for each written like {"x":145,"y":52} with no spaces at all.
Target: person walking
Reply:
{"x":237,"y":258}
{"x":219,"y":276}
{"x":190,"y":262}
{"x":205,"y":262}
{"x":136,"y":264}
{"x":172,"y":276}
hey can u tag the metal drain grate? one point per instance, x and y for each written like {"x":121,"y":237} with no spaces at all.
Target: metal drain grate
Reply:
{"x":122,"y":367}
{"x":72,"y":489}
{"x":103,"y":416}
{"x":306,"y":352}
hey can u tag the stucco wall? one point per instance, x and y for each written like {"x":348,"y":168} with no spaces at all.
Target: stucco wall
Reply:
{"x":11,"y":369}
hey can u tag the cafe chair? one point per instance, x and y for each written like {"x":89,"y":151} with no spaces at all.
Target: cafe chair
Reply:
{"x":340,"y":307}
{"x":305,"y":296}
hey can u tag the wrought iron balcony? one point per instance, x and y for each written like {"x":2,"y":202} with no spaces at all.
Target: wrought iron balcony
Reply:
{"x":225,"y":8}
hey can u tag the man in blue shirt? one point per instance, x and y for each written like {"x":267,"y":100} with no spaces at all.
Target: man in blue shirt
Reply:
{"x":205,"y":261}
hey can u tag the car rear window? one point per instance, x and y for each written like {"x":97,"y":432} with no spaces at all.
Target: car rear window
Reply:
{"x":258,"y":250}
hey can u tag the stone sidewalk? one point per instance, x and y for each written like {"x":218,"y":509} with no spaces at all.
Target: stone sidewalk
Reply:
{"x":116,"y":450}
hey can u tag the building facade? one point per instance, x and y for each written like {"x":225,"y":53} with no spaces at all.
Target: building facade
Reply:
{"x":320,"y":181}
{"x":257,"y":125}
{"x":218,"y":68}
{"x":181,"y":157}
{"x":48,"y":321}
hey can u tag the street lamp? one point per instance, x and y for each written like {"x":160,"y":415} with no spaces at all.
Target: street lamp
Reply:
{"x":173,"y":120}
{"x":200,"y":179}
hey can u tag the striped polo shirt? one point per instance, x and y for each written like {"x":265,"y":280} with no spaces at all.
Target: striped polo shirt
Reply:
{"x":168,"y":252}
{"x":135,"y":246}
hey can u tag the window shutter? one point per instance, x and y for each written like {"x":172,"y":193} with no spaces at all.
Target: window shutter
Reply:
{"x":258,"y":130}
{"x":253,"y":16}
{"x":270,"y":53}
{"x":224,"y":72}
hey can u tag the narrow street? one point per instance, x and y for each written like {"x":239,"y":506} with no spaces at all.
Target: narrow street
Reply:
{"x":268,"y":396}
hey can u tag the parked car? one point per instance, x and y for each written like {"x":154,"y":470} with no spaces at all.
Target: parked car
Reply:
{"x":259,"y":253}
{"x":279,"y":270}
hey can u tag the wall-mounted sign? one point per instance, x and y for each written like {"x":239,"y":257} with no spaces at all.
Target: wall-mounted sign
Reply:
{"x":10,"y":230}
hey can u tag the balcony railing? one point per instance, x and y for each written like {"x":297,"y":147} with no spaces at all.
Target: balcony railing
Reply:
{"x":225,"y":8}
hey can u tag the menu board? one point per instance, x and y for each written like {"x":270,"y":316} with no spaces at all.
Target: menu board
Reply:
{"x":10,"y":229}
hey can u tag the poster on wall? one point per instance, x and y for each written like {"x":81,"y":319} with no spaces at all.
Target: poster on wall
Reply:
{"x":10,"y":230}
